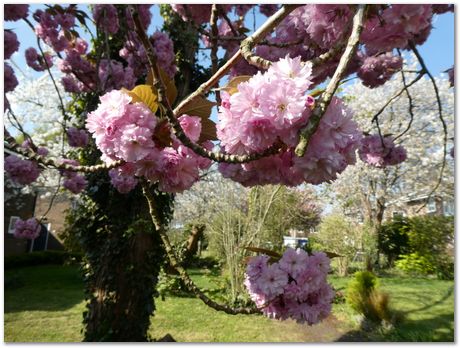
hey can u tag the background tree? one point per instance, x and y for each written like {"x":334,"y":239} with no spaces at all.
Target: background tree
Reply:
{"x":413,"y":120}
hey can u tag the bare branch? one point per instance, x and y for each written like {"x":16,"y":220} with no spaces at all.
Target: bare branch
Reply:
{"x":441,"y":118}
{"x":215,"y":33}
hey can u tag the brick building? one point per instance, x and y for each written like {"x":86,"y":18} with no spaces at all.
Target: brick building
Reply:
{"x":24,"y":206}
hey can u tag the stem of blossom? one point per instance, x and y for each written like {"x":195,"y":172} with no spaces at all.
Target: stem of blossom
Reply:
{"x":215,"y":33}
{"x":248,"y":44}
{"x":11,"y":144}
{"x":441,"y":118}
{"x":309,"y":129}
{"x":175,"y":263}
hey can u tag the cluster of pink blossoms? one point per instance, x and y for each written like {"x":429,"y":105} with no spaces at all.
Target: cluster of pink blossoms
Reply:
{"x":36,"y":61}
{"x":273,"y":107}
{"x":11,"y":43}
{"x":73,"y":181}
{"x":52,"y":29}
{"x":126,"y":131}
{"x":294,"y":287}
{"x":77,"y":137}
{"x":15,"y":12}
{"x":381,"y":152}
{"x":136,"y":56}
{"x":28,"y":229}
{"x":123,"y":179}
{"x":23,"y":172}
{"x":267,"y":106}
{"x":376,"y":70}
{"x":106,"y":18}
{"x":395,"y":26}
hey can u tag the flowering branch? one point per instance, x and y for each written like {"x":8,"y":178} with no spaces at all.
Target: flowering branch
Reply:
{"x":171,"y":115}
{"x":11,"y":144}
{"x":306,"y":132}
{"x":182,"y":272}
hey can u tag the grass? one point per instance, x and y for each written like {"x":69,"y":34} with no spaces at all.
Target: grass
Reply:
{"x":45,"y":304}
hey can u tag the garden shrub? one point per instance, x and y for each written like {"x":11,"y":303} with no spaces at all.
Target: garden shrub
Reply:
{"x":359,"y":290}
{"x":365,"y":298}
{"x":428,"y":239}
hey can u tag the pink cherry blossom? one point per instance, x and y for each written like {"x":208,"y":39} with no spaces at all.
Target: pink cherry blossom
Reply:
{"x":23,"y":172}
{"x":27,"y":229}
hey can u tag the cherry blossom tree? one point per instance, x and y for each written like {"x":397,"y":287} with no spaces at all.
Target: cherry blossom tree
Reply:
{"x":143,"y":130}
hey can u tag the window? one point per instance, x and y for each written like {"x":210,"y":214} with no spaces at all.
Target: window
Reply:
{"x":448,"y":207}
{"x":13,"y":220}
{"x":431,"y":206}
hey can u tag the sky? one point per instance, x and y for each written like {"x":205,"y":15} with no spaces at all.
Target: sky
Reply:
{"x":438,"y":51}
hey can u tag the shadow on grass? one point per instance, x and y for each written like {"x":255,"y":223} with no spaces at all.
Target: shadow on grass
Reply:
{"x":45,"y":288}
{"x":434,"y":329}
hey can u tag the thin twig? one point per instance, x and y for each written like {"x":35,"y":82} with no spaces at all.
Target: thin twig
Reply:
{"x":248,"y":44}
{"x":411,"y":105}
{"x":215,"y":33}
{"x":175,"y":263}
{"x":397,"y":95}
{"x":441,"y":118}
{"x":307,"y":132}
{"x":11,"y":144}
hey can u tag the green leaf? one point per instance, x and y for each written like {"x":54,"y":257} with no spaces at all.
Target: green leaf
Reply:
{"x":144,"y":94}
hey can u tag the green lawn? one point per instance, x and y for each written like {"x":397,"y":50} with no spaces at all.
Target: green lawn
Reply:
{"x":45,"y":304}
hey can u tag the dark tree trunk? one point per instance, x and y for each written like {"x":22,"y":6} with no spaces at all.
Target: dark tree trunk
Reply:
{"x":123,"y":287}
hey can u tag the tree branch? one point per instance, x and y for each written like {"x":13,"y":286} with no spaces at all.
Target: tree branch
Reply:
{"x":182,"y":272}
{"x":306,"y":132}
{"x":11,"y":144}
{"x":441,"y":118}
{"x":215,"y":33}
{"x":249,"y":43}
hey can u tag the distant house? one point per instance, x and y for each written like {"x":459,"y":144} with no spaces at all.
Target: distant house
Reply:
{"x":423,"y":204}
{"x":18,"y":205}
{"x":296,"y":238}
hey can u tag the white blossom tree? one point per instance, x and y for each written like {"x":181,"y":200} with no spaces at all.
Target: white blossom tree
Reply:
{"x":413,"y":119}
